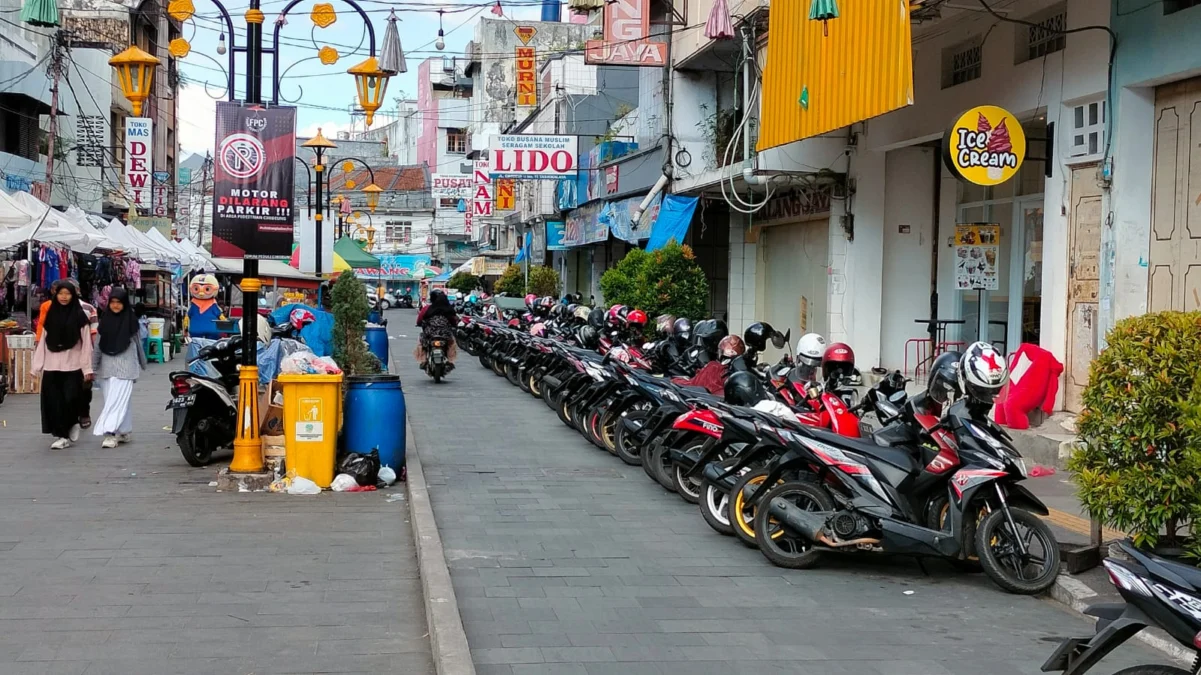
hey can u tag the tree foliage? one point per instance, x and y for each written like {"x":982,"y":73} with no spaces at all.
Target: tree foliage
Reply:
{"x":666,"y":281}
{"x":349,"y":298}
{"x":543,"y":281}
{"x":1138,"y":464}
{"x":464,"y":282}
{"x":512,"y":281}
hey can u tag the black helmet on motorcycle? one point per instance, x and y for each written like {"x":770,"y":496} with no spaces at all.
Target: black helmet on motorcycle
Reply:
{"x":682,"y":329}
{"x":709,"y":333}
{"x":437,"y":293}
{"x":943,"y":383}
{"x":983,"y":371}
{"x":569,"y":310}
{"x":744,"y":388}
{"x":588,"y":337}
{"x":757,"y":334}
{"x":596,"y":318}
{"x":545,"y":305}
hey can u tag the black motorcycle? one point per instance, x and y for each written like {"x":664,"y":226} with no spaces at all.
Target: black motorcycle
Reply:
{"x":1158,"y":593}
{"x":959,"y":500}
{"x":205,"y":409}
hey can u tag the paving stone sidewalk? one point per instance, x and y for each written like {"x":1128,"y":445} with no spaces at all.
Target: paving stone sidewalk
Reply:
{"x":567,"y":561}
{"x":125,"y":562}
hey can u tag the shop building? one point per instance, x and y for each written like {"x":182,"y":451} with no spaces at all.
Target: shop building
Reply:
{"x":1150,"y":255}
{"x":870,"y":210}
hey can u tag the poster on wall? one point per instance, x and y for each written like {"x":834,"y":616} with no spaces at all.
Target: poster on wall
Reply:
{"x":253,"y":182}
{"x":977,"y":246}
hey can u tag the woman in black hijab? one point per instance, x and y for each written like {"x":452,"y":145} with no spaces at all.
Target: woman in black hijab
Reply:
{"x":118,"y":362}
{"x":63,"y":359}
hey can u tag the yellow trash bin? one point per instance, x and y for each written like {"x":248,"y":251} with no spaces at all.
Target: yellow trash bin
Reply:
{"x":312,"y":410}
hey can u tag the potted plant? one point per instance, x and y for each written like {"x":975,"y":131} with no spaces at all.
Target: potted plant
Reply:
{"x":666,"y":281}
{"x":1139,"y":457}
{"x":349,"y":307}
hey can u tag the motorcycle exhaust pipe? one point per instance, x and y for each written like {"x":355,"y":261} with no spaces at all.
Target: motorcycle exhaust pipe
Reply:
{"x":811,"y":524}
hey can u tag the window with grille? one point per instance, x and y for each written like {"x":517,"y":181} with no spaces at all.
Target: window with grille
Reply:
{"x":1088,"y":129}
{"x":1045,"y":37}
{"x":961,"y":63}
{"x":1173,"y":6}
{"x":456,"y":141}
{"x":398,"y":232}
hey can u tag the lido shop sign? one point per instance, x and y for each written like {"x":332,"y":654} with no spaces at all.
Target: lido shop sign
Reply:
{"x":985,"y":146}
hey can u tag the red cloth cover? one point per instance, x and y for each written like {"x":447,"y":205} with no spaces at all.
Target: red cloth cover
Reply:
{"x":1033,"y":383}
{"x":711,"y":376}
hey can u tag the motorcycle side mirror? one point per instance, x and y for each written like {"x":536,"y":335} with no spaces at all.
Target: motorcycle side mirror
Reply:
{"x":779,"y":339}
{"x":897,"y":397}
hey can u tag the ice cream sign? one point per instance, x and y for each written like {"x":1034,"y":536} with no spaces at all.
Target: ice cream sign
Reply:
{"x":985,"y":146}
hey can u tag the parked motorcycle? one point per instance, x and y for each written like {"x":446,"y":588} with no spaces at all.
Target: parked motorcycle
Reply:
{"x":1156,"y":593}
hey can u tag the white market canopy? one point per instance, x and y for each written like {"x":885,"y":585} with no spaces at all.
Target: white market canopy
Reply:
{"x":24,"y":218}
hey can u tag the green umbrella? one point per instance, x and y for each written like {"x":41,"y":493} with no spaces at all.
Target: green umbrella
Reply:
{"x":42,"y":13}
{"x":823,"y":10}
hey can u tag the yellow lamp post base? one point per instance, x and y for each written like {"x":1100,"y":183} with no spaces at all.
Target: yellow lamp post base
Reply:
{"x":248,"y":450}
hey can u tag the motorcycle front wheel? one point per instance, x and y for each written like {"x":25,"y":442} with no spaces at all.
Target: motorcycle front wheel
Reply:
{"x":997,"y":545}
{"x":627,"y":450}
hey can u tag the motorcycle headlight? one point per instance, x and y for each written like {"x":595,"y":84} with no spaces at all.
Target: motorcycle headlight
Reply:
{"x":671,"y":396}
{"x":1020,"y":464}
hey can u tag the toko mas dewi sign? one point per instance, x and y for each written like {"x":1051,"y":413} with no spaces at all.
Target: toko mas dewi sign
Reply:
{"x":532,"y":156}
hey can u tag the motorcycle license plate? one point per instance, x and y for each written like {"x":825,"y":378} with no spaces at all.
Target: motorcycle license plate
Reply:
{"x":437,"y":357}
{"x":185,"y":401}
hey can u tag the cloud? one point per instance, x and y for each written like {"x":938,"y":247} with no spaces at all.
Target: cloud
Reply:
{"x":197,"y":125}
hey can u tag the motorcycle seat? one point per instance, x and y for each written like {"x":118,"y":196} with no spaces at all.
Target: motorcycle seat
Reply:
{"x":1190,"y":574}
{"x":900,"y":458}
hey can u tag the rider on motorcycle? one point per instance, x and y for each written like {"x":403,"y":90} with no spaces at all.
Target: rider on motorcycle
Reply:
{"x":437,"y":319}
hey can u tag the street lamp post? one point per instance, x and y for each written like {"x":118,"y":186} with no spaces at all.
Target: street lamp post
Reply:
{"x":371,"y":80}
{"x":319,"y":144}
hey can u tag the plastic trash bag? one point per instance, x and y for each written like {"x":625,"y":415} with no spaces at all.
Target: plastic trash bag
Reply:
{"x":364,"y":468}
{"x":308,"y":363}
{"x":386,"y":475}
{"x":303,"y":486}
{"x":343,"y":482}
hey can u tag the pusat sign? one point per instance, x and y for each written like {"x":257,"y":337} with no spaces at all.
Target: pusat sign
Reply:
{"x":985,"y":146}
{"x":532,"y":156}
{"x":627,"y":25}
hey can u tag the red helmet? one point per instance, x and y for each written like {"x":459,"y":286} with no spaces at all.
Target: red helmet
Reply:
{"x":636,"y":318}
{"x":530,"y":299}
{"x":838,"y":359}
{"x":300,"y":317}
{"x":617,"y":315}
{"x":731,"y":346}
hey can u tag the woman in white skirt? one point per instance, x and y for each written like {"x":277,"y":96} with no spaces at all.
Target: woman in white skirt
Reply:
{"x":118,"y":361}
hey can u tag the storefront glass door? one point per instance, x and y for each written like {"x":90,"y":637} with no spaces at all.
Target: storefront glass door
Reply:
{"x":1011,"y":313}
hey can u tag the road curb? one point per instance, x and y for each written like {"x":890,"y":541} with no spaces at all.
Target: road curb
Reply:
{"x":1078,"y":596}
{"x":448,"y":639}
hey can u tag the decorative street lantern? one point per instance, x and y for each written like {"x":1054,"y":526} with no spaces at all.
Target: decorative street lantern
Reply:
{"x":823,"y":10}
{"x":372,"y":191}
{"x":135,"y":71}
{"x":371,"y":83}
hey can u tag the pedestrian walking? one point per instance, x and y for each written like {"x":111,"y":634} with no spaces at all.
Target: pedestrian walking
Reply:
{"x":85,"y":401}
{"x":63,"y":360}
{"x":117,"y":361}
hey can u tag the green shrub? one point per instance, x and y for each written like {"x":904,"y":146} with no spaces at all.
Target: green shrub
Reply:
{"x":1139,"y":459}
{"x":667,"y":281}
{"x":349,"y":307}
{"x":512,"y":281}
{"x":543,"y":281}
{"x":464,"y":282}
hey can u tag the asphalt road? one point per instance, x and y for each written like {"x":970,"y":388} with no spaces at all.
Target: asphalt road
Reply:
{"x":567,"y":561}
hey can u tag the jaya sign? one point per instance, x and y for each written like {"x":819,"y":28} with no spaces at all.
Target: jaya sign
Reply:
{"x":532,"y":156}
{"x":253,"y":181}
{"x":627,"y":24}
{"x":139,"y":145}
{"x":985,"y":146}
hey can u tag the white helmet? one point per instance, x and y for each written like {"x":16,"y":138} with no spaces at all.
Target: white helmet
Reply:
{"x":983,"y":371}
{"x":810,"y":349}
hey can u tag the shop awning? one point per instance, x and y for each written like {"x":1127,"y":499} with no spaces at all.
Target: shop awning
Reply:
{"x":354,"y":255}
{"x":674,"y":217}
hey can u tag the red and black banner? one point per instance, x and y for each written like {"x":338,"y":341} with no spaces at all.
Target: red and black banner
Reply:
{"x":253,"y":187}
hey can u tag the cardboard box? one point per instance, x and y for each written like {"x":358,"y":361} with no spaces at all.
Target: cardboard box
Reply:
{"x":271,"y":412}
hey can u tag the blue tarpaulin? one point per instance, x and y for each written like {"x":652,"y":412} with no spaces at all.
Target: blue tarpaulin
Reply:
{"x":674,"y":217}
{"x":319,"y":335}
{"x":525,"y":248}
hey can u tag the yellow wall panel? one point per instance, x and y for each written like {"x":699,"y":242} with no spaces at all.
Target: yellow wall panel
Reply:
{"x":861,"y":69}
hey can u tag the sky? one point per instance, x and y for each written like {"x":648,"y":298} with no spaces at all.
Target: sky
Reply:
{"x":323,"y":94}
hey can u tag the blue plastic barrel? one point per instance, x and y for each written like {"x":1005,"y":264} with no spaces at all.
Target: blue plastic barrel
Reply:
{"x":374,"y":418}
{"x":375,"y":316}
{"x":377,"y":342}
